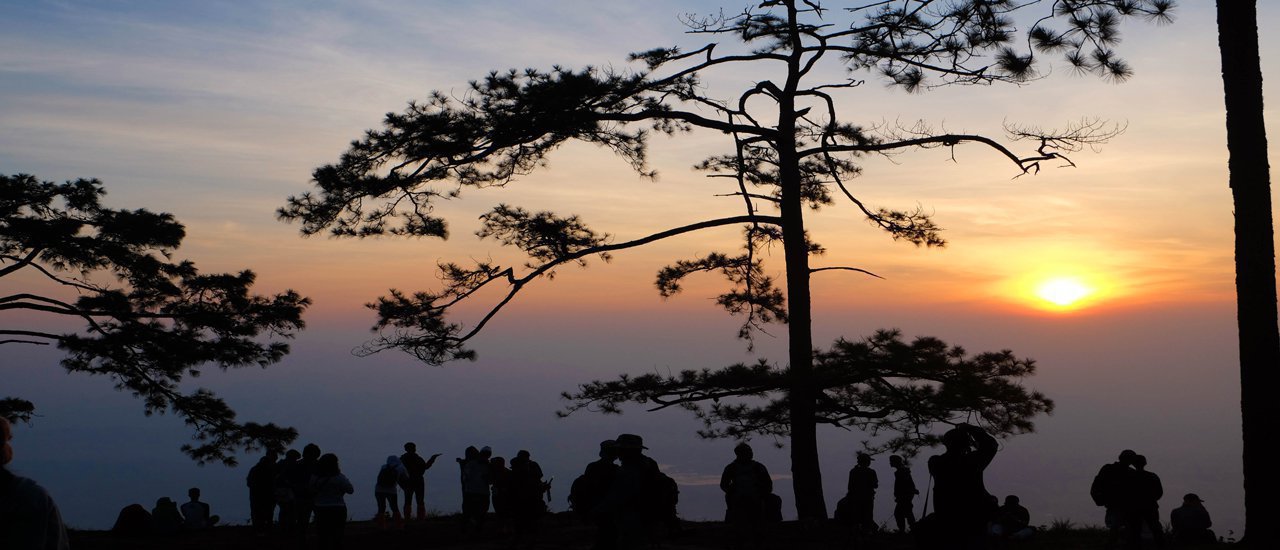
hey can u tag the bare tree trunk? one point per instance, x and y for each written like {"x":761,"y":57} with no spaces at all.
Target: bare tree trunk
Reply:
{"x":1250,"y":181}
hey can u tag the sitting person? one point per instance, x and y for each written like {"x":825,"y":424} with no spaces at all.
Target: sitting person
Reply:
{"x":1190,"y":522}
{"x":1012,"y":521}
{"x":165,"y":518}
{"x":196,"y":513}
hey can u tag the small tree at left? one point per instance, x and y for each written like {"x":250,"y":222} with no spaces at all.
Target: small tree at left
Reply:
{"x":146,"y":321}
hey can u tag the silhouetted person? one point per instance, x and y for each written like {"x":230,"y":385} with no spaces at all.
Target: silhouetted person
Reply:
{"x":195,"y":514}
{"x":133,"y":521}
{"x":526,"y":490}
{"x":330,"y":488}
{"x":747,"y":486}
{"x":304,"y":494}
{"x":390,"y":477}
{"x":286,"y":491}
{"x":629,"y":502}
{"x":416,"y":489}
{"x":500,"y":492}
{"x":1145,"y":511}
{"x":475,"y":488}
{"x":1012,"y":521}
{"x":165,"y":517}
{"x":262,"y":492}
{"x":862,"y":495}
{"x":961,"y":502}
{"x":589,"y":489}
{"x":28,"y":516}
{"x":1115,"y":488}
{"x":1190,"y":522}
{"x":904,"y":491}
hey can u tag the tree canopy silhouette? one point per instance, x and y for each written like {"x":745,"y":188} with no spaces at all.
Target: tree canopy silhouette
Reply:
{"x":149,"y":322}
{"x":791,"y":151}
{"x":881,"y":386}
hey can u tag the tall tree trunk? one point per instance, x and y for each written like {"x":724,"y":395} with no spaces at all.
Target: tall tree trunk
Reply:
{"x":1255,"y":265}
{"x":806,"y":471}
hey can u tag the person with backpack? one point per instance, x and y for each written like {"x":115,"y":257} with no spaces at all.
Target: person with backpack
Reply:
{"x":28,"y":516}
{"x":747,"y":486}
{"x":390,"y":476}
{"x":1114,"y":488}
{"x":589,"y":489}
{"x":415,"y":490}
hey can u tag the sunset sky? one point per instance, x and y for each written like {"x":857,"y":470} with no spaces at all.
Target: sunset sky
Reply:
{"x":218,"y":111}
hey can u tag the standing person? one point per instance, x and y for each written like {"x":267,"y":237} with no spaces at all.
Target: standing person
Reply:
{"x":303,"y":495}
{"x":746,"y":485}
{"x":526,"y":490}
{"x":262,"y":492}
{"x":589,"y":489}
{"x":475,"y":488}
{"x":862,"y":495}
{"x":1190,"y":522}
{"x":195,"y":514}
{"x":1146,"y":505}
{"x":500,"y":492}
{"x":390,"y":476}
{"x":1113,"y":488}
{"x":961,"y":502}
{"x":286,"y":491}
{"x":416,"y":489}
{"x":904,"y":492}
{"x":329,"y":488}
{"x":629,"y":501}
{"x":28,"y":516}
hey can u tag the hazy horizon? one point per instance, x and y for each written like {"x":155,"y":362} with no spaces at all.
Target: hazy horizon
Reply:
{"x":218,"y":112}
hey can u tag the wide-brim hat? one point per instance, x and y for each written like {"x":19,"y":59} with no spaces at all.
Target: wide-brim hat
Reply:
{"x":630,"y":441}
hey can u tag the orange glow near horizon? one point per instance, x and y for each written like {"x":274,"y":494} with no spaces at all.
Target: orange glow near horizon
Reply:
{"x":1060,"y":290}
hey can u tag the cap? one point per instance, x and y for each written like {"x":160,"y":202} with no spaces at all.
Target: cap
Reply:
{"x":1192,"y":497}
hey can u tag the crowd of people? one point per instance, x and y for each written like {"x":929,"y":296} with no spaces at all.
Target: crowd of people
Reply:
{"x":625,"y":496}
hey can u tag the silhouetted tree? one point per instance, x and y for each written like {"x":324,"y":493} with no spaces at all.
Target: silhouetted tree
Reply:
{"x":880,"y":385}
{"x":1250,"y":180}
{"x":149,"y":321}
{"x":791,"y":151}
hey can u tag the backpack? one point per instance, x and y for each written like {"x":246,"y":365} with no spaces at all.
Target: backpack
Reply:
{"x":387,"y":476}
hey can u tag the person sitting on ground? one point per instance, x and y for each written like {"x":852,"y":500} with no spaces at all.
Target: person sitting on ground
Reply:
{"x":196,"y":514}
{"x":1012,"y":521}
{"x":28,"y":516}
{"x":165,"y":518}
{"x":1190,"y":522}
{"x":747,"y":486}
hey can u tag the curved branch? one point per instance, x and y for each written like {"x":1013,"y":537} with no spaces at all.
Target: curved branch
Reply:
{"x":842,"y":268}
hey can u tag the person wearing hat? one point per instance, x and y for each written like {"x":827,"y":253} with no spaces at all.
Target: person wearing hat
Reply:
{"x":630,"y":502}
{"x":28,"y":516}
{"x":1190,"y":522}
{"x":904,"y":492}
{"x":862,"y":495}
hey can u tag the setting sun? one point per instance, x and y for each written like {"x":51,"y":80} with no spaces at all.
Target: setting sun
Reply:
{"x":1063,"y":291}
